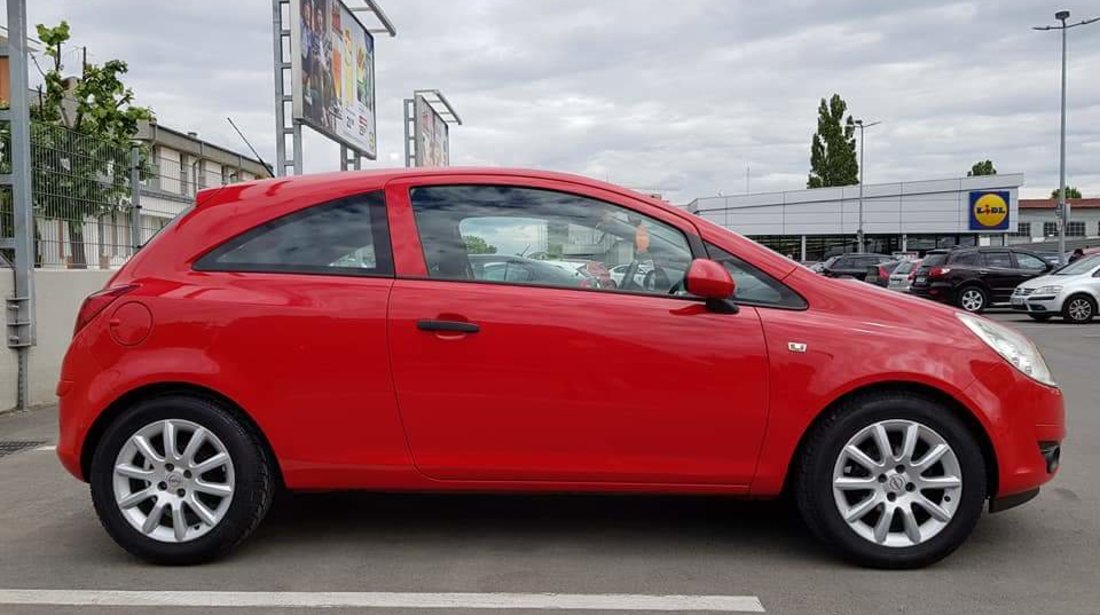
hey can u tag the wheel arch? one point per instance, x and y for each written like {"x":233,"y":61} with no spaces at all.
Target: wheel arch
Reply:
{"x":972,"y":423}
{"x":160,"y":389}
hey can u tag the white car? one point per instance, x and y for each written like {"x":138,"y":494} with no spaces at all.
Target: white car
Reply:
{"x":1072,"y":292}
{"x":901,"y":276}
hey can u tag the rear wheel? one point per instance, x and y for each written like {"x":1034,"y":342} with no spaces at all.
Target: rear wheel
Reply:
{"x":178,"y":480}
{"x":973,"y":299}
{"x":891,"y":480}
{"x":1079,"y":309}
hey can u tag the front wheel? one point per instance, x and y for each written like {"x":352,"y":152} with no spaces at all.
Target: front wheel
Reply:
{"x":178,"y":480}
{"x":1079,"y":309}
{"x":891,"y":480}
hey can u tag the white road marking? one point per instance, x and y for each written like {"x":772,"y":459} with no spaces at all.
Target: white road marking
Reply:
{"x":391,"y":600}
{"x":48,"y":447}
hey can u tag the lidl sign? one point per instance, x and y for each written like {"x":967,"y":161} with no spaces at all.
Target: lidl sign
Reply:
{"x":989,"y":210}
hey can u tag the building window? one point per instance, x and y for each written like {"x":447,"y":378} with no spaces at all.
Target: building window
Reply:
{"x":1050,"y":229}
{"x":1075,"y":229}
{"x":1023,"y":229}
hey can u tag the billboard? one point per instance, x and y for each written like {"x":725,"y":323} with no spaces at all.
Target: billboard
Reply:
{"x":432,"y":136}
{"x":332,"y":68}
{"x":989,"y":210}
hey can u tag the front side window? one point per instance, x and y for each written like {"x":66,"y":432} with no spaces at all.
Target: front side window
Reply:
{"x":543,"y":237}
{"x":1027,"y":261}
{"x":754,"y":287}
{"x":343,"y":237}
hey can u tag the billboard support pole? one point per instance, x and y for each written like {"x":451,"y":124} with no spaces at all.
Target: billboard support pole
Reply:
{"x":410,"y":133}
{"x":20,"y":305}
{"x":283,"y":97}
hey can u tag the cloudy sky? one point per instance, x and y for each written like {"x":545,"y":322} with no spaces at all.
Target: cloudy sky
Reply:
{"x":675,"y":97}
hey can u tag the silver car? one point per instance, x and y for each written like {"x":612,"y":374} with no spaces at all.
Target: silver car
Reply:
{"x":901,"y":276}
{"x":1072,"y":292}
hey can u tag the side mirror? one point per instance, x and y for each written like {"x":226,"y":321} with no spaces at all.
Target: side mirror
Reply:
{"x":711,"y":281}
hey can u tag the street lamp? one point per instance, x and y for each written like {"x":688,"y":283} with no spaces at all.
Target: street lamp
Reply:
{"x":1063,"y":207}
{"x":859,"y":230}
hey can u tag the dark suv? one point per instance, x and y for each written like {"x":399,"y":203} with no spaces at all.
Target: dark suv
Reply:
{"x":975,"y":278}
{"x":852,"y":265}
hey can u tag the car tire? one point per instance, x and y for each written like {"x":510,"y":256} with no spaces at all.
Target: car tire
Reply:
{"x":1079,"y":309}
{"x":826,"y":489}
{"x":138,"y":497}
{"x":973,"y":299}
{"x":1041,"y":317}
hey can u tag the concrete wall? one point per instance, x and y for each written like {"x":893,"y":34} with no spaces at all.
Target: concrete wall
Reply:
{"x":58,"y":294}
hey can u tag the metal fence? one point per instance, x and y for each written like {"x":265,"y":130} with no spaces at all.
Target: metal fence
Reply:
{"x":95,"y":201}
{"x":82,"y":199}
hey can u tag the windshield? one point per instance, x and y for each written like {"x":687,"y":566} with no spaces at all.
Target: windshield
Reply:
{"x":904,"y":267}
{"x":1077,"y":267}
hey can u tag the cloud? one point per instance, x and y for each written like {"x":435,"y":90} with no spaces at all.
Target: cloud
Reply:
{"x":679,"y":98}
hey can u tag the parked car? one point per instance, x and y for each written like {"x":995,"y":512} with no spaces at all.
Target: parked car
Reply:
{"x":902,"y":275}
{"x":1072,"y":292}
{"x":879,"y":274}
{"x":240,"y":353}
{"x":597,"y":275}
{"x":852,"y":265}
{"x":975,"y":278}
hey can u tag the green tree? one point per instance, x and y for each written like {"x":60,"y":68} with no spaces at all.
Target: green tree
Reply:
{"x":80,"y":141}
{"x":983,"y":167}
{"x":1071,"y":193}
{"x":833,"y":150}
{"x":478,"y":245}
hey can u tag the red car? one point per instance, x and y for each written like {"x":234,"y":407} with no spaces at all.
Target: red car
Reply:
{"x":327,"y":332}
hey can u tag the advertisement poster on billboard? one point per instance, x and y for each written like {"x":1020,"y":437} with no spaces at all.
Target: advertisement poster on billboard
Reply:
{"x":432,"y":136}
{"x":333,"y":73}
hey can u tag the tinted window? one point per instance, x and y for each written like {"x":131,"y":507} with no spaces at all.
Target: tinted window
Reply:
{"x":934,"y":260}
{"x":583,"y":238}
{"x":1027,"y":261}
{"x":1001,"y":260}
{"x":967,"y":258}
{"x":754,"y":286}
{"x":343,"y":237}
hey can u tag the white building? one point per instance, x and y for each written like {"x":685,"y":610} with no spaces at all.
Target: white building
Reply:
{"x":814,"y":224}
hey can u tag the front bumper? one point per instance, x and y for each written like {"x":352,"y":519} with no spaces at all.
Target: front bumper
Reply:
{"x":1026,"y":424}
{"x":1037,"y":304}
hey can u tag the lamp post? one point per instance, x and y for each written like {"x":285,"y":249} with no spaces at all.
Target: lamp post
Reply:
{"x":859,"y":230}
{"x":1063,"y":207}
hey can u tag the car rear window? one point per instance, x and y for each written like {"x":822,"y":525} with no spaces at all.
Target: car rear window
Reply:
{"x":934,"y":260}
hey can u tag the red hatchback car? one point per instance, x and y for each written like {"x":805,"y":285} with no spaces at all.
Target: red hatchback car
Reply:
{"x":329,"y":332}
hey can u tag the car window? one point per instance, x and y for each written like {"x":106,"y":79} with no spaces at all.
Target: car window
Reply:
{"x":972,"y":259}
{"x":934,"y":260}
{"x":753,"y":286}
{"x":584,"y":238}
{"x":1032,"y":263}
{"x":1000,"y":260}
{"x":343,"y":237}
{"x":842,"y":262}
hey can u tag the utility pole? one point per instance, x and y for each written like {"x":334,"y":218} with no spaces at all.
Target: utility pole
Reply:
{"x":1063,"y":206}
{"x":859,"y":229}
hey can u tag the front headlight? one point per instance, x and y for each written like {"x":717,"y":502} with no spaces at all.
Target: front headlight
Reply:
{"x":1048,"y":290}
{"x":1015,"y":348}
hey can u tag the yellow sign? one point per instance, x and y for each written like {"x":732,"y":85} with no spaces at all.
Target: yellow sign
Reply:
{"x":990,"y":210}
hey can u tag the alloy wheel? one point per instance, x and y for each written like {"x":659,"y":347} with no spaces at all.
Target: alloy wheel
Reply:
{"x":173,"y":480}
{"x":1079,"y":309}
{"x":897,"y":483}
{"x":972,"y":300}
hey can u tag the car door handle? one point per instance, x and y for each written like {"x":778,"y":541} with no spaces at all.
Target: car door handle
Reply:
{"x":452,"y":326}
{"x":983,"y":271}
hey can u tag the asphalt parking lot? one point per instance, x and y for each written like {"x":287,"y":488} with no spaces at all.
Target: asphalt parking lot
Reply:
{"x":511,"y":550}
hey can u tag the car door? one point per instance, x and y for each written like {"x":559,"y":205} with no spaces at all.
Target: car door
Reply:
{"x":1000,"y":274}
{"x":514,"y":381}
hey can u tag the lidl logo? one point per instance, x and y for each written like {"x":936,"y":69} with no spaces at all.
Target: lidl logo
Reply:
{"x":989,"y":211}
